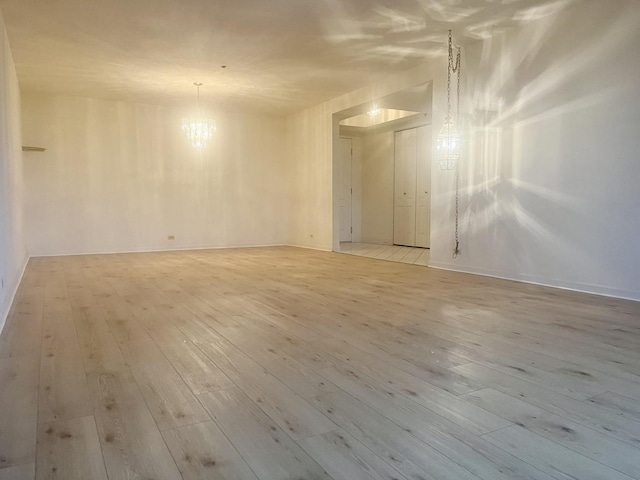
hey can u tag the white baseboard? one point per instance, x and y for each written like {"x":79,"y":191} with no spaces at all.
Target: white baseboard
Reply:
{"x":159,"y":250}
{"x":319,"y":249}
{"x":545,"y":282}
{"x":8,"y":303}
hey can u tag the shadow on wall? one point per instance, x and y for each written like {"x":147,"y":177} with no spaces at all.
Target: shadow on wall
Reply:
{"x":551,"y":145}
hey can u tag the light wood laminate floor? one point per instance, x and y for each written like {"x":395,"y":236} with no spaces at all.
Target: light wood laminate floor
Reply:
{"x":284,"y":363}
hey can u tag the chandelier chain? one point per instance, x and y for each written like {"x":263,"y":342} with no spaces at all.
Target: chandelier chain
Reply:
{"x":456,"y":250}
{"x":457,"y":70}
{"x":454,"y":67}
{"x":449,"y":78}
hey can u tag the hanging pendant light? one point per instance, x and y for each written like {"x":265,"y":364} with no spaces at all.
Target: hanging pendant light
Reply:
{"x":448,"y":142}
{"x":198,"y":129}
{"x":448,"y":145}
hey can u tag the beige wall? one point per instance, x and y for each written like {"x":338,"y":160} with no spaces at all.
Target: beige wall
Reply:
{"x":123,"y":177}
{"x":13,"y":253}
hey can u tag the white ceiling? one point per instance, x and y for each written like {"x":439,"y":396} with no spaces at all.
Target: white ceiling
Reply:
{"x":281,"y":55}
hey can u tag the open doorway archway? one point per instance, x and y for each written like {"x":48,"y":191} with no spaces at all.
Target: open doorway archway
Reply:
{"x":381,"y":148}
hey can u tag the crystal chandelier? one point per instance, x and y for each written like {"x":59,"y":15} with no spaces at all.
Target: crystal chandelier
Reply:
{"x":448,"y":145}
{"x":448,"y":142}
{"x":199,"y":129}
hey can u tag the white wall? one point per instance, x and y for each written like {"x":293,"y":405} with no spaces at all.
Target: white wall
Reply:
{"x":13,"y":253}
{"x":123,"y":177}
{"x":551,"y":179}
{"x":309,"y":151}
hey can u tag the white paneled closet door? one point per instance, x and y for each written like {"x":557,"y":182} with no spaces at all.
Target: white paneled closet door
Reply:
{"x":412,"y":188}
{"x":404,"y":216}
{"x":423,"y":187}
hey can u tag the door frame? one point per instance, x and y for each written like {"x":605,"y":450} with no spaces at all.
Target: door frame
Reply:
{"x":350,"y":190}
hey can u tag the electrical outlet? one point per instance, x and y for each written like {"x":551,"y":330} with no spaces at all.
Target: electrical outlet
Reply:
{"x":171,"y":237}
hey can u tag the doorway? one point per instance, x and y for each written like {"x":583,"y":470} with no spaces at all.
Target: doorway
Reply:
{"x":378,"y":211}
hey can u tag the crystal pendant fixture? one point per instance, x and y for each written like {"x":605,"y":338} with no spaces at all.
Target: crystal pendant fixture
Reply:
{"x":199,"y":129}
{"x":448,"y":145}
{"x":448,"y":142}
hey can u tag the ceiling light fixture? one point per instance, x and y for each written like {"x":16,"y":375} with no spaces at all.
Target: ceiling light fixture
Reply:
{"x":198,"y":129}
{"x":374,"y":112}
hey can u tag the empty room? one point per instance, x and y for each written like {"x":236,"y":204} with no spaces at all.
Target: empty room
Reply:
{"x":330,"y":239}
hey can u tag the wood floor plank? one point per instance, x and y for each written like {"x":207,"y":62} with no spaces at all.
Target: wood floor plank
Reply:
{"x":100,"y":351}
{"x":70,"y":449}
{"x":170,"y":401}
{"x":398,"y":448}
{"x":578,"y":377}
{"x":19,"y":378}
{"x":290,"y":411}
{"x":193,"y":322}
{"x":607,"y":423}
{"x":609,"y":451}
{"x":202,"y":452}
{"x":198,"y":372}
{"x":548,"y":456}
{"x":136,"y":345}
{"x":22,"y":333}
{"x":622,"y":406}
{"x":437,"y":376}
{"x":370,"y":390}
{"x":345,"y":458}
{"x":302,"y":380}
{"x":270,"y":452}
{"x":131,"y":442}
{"x":459,"y":444}
{"x":63,"y":386}
{"x":20,"y":472}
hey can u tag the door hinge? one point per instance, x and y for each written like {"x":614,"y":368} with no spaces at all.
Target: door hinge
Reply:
{"x":351,"y":229}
